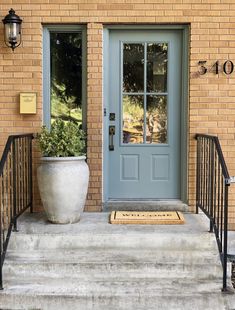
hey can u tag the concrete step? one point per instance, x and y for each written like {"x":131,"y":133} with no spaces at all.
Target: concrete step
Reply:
{"x":122,"y":255}
{"x":114,"y":263}
{"x":144,"y":272}
{"x":94,"y":231}
{"x":95,"y":265}
{"x":120,"y":294}
{"x":144,"y":240}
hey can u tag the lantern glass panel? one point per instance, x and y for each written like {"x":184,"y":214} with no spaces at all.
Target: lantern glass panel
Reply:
{"x":12,"y":32}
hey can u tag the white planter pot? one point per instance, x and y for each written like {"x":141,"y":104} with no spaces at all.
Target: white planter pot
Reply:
{"x":63,"y":184}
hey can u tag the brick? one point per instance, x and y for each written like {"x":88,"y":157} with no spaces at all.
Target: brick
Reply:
{"x":211,"y":98}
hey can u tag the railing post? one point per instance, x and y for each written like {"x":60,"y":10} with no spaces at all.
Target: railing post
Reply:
{"x":1,"y":252}
{"x":197,"y":174}
{"x":14,"y":186}
{"x":211,"y":168}
{"x":225,"y":243}
{"x":1,"y":281}
{"x":31,"y":175}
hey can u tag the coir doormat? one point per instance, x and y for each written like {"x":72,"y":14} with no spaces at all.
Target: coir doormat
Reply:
{"x":154,"y":218}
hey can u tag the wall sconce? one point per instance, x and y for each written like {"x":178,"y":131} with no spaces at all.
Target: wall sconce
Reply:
{"x":12,"y":29}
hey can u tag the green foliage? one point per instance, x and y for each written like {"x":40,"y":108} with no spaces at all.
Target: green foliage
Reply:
{"x":63,"y":140}
{"x":63,"y":110}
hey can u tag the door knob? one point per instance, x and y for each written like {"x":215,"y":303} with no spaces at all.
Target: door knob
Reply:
{"x":111,"y":134}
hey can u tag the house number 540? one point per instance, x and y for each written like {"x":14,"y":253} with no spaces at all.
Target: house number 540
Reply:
{"x":226,"y":67}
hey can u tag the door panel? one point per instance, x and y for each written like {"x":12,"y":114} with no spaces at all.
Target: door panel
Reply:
{"x":144,"y":107}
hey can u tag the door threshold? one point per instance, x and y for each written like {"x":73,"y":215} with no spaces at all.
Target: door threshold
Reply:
{"x":145,"y":205}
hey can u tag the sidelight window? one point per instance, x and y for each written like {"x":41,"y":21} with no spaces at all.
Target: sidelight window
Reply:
{"x":64,"y":74}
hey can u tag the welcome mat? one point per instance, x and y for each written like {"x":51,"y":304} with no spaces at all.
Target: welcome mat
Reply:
{"x":136,"y":217}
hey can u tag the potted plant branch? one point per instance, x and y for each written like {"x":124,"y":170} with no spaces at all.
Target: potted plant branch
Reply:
{"x":63,"y":173}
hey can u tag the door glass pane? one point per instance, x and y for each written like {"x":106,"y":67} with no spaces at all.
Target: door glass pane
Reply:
{"x":66,"y":76}
{"x":157,"y":67}
{"x":133,"y":67}
{"x":133,"y":119}
{"x":156,"y":119}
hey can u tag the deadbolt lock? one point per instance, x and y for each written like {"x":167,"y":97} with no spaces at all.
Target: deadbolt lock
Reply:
{"x":112,"y":116}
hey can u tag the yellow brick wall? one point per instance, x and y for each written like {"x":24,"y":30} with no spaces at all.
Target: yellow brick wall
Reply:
{"x":211,"y":97}
{"x":94,"y":114}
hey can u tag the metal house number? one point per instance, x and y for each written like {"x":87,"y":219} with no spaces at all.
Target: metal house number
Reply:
{"x":227,"y":67}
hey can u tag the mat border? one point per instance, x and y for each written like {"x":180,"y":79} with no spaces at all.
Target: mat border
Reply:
{"x":151,"y":221}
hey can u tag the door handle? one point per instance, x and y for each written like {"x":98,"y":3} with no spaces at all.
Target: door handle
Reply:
{"x":111,"y":134}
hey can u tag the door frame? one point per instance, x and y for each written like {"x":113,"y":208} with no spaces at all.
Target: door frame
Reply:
{"x":184,"y":96}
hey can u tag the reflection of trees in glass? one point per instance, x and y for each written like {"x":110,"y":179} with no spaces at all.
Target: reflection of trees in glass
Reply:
{"x":156,"y":119}
{"x":66,"y":75}
{"x":133,"y":119}
{"x":156,"y":81}
{"x":157,"y":67}
{"x":60,"y":109}
{"x":133,"y":67}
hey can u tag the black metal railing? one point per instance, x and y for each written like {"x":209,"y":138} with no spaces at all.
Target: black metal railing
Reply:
{"x":212,"y":181}
{"x":15,"y":187}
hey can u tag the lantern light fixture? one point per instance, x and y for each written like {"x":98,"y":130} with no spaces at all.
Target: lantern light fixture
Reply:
{"x":12,"y":29}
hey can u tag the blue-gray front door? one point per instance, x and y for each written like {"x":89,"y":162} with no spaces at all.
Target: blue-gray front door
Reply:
{"x":144,"y":114}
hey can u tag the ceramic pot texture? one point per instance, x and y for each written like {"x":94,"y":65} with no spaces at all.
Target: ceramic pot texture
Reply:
{"x":63,"y":184}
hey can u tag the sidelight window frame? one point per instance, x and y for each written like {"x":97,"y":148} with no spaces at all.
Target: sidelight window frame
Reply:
{"x":47,"y":30}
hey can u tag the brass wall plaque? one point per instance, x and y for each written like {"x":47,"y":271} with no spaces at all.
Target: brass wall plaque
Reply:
{"x":28,"y":103}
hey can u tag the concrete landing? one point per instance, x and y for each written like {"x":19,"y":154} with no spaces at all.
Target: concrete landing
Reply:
{"x":95,"y":265}
{"x":37,"y":223}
